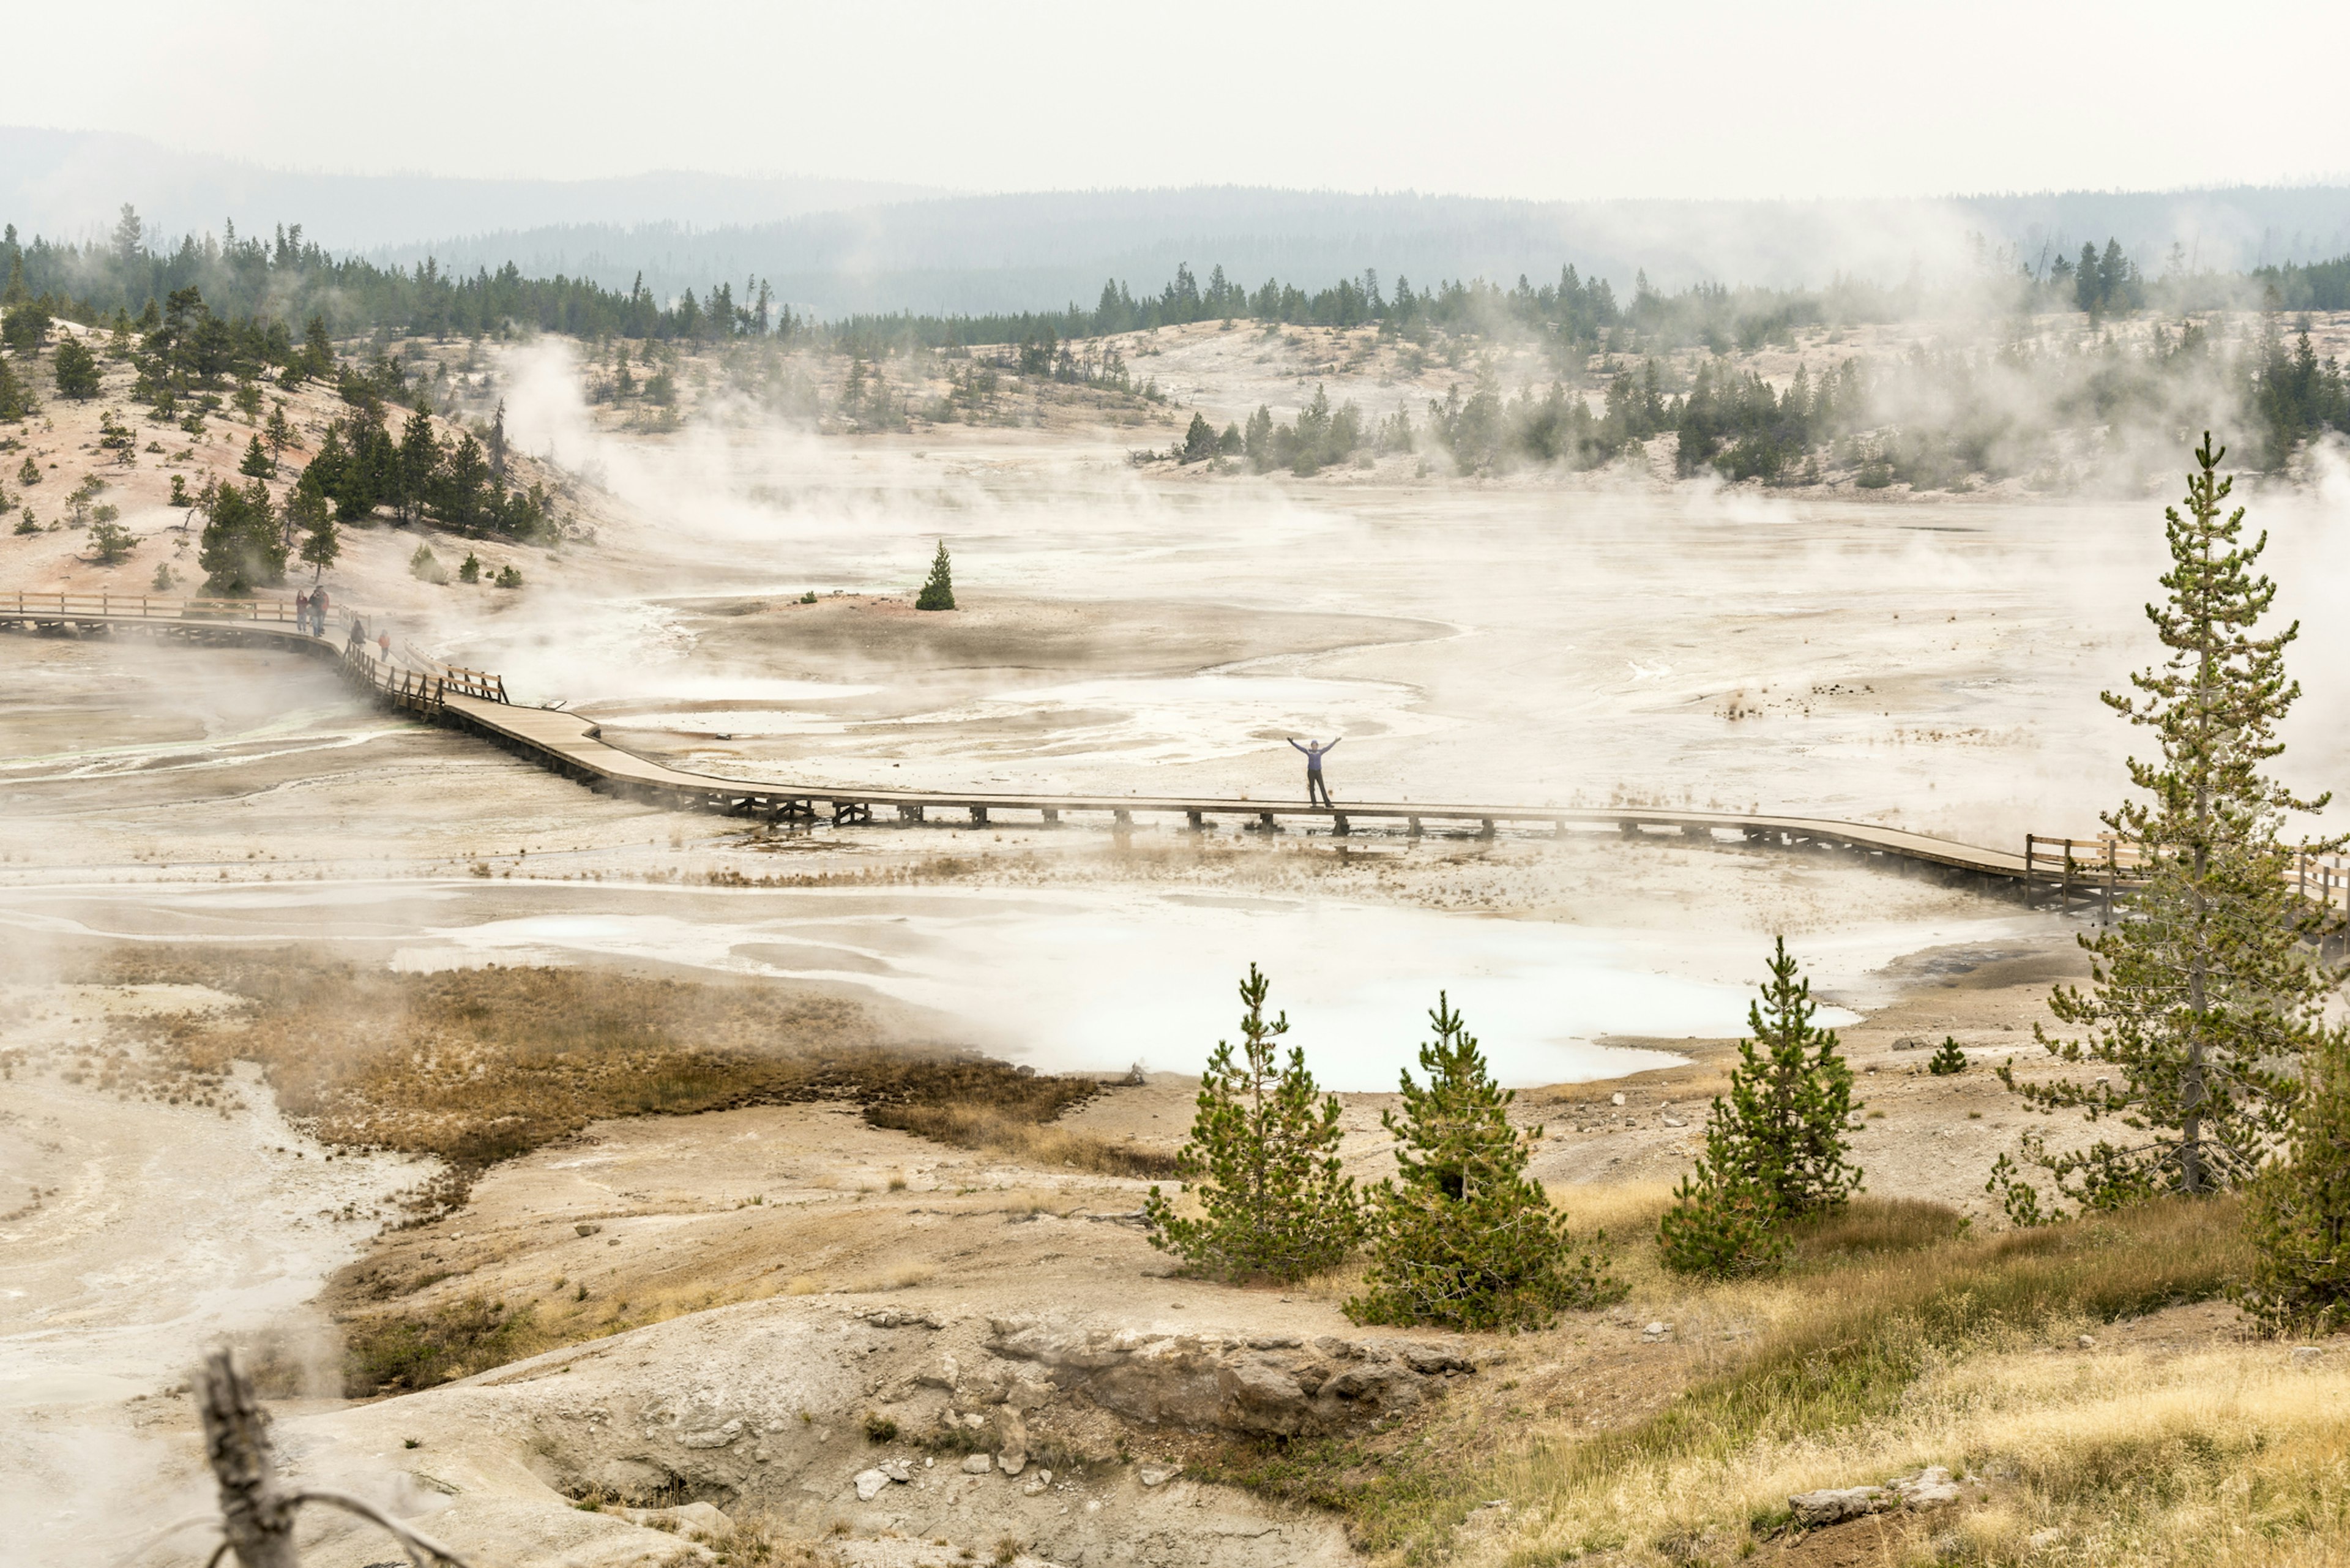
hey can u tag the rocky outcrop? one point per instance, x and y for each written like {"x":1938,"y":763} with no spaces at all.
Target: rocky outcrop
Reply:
{"x":1274,"y":1386}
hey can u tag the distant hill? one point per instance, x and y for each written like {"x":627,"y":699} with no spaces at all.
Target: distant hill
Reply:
{"x":842,"y":246}
{"x":1038,"y":250}
{"x":70,"y":184}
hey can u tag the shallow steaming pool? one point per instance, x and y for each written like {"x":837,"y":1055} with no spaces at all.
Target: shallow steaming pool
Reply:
{"x":1076,"y":979}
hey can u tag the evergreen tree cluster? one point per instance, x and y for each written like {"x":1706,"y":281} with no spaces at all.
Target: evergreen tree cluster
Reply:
{"x":287,"y":278}
{"x":361,"y":468}
{"x":1460,"y":1236}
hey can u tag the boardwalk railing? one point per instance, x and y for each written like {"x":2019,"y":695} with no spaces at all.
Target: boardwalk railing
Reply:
{"x":2099,"y":870}
{"x":143,"y":607}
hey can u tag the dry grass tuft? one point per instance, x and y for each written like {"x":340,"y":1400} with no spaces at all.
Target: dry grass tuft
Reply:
{"x":1016,"y":1135}
{"x":1894,"y":1344}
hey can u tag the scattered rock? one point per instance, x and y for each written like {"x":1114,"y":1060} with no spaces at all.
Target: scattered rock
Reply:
{"x":890,"y":1317}
{"x":1909,"y":1042}
{"x":978,"y":1465}
{"x":588,"y":1230}
{"x":2306,"y":1354}
{"x":1617,"y":1098}
{"x":1675,"y":1122}
{"x":711,"y":1436}
{"x":1158,"y":1475}
{"x":1658,"y":1330}
{"x":1929,"y":1488}
{"x":1830,"y":1506}
{"x":2041,"y":1540}
{"x":1033,"y":1487}
{"x":869,"y":1484}
{"x":1269,"y":1385}
{"x":2086,"y":1343}
{"x":898,"y":1470}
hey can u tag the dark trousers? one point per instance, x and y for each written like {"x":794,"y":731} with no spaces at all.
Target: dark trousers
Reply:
{"x":1316,"y":790}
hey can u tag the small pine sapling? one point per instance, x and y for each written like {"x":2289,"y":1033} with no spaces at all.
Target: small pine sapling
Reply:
{"x":1949,"y":1060}
{"x":1263,"y":1163}
{"x":938,"y":593}
{"x":1774,"y":1146}
{"x":1462,"y":1236}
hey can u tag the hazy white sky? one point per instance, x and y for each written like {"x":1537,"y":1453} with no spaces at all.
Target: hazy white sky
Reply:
{"x":1796,"y":97}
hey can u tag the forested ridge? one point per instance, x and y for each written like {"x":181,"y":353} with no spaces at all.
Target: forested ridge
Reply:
{"x":233,"y":306}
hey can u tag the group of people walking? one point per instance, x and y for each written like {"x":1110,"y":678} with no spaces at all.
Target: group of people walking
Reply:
{"x":310,"y":611}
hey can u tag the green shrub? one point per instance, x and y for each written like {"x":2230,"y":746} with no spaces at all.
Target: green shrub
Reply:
{"x":401,"y":1352}
{"x":2299,"y":1215}
{"x":1949,"y":1060}
{"x":508,"y":578}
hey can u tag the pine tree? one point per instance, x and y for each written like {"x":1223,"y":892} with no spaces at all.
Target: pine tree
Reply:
{"x":1199,"y":441}
{"x":320,"y":546}
{"x":1774,"y":1146}
{"x":1462,"y":1236}
{"x":256,"y":463}
{"x":1262,"y":1161}
{"x":417,"y":464}
{"x":497,"y":440}
{"x":15,"y":401}
{"x":2299,"y":1216}
{"x":1949,"y":1060}
{"x":279,"y":431}
{"x":240,"y":550}
{"x":938,"y":593}
{"x":25,"y":326}
{"x":76,"y":368}
{"x":2200,"y":999}
{"x":317,"y":359}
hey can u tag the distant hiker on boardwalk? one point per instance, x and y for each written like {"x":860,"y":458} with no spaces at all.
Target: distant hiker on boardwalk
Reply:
{"x":302,"y":612}
{"x":318,"y":611}
{"x":1316,"y":790}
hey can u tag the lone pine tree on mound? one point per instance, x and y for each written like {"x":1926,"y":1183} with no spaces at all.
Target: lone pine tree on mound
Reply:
{"x":1949,"y":1060}
{"x":938,"y":593}
{"x":1462,"y":1236}
{"x":2202,"y":999}
{"x":1774,"y":1146}
{"x":1262,"y":1161}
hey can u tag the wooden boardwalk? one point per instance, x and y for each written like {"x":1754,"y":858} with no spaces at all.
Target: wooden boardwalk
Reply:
{"x":2071,"y":871}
